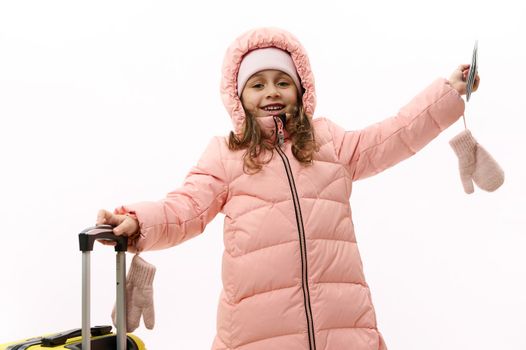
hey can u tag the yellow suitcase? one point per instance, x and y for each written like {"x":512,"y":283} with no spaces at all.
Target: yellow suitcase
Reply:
{"x":102,"y":338}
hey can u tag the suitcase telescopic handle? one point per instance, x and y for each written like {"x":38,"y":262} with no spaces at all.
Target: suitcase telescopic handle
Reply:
{"x":86,"y":240}
{"x":101,"y":232}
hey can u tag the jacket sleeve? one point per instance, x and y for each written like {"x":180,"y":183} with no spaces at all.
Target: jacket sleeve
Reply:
{"x":384,"y":144}
{"x":186,"y":211}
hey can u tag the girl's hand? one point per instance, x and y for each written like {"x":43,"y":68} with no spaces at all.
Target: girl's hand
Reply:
{"x":123,"y":224}
{"x":459,"y":77}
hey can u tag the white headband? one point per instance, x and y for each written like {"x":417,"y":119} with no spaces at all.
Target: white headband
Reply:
{"x":262,"y":59}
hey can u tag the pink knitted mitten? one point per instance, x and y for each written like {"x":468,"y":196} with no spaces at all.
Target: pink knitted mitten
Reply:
{"x":139,"y":295}
{"x":476,"y":164}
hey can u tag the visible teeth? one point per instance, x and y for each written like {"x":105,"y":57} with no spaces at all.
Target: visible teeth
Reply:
{"x":272,"y":108}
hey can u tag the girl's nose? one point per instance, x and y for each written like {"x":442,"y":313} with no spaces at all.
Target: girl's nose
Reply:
{"x":273,"y":91}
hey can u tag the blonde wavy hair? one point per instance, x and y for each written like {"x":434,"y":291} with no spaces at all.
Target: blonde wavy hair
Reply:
{"x":260,"y":152}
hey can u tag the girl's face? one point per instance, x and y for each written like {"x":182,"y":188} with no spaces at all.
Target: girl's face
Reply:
{"x":268,"y":93}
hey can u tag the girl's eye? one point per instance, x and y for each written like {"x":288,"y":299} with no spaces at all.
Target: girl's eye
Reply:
{"x":283,"y":83}
{"x":257,"y":85}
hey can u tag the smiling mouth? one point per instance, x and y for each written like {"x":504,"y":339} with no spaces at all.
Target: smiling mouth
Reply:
{"x":273,"y":108}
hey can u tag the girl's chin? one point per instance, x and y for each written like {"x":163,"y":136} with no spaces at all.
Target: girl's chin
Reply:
{"x":271,"y":114}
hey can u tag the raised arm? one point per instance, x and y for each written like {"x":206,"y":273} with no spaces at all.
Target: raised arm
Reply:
{"x":382,"y":145}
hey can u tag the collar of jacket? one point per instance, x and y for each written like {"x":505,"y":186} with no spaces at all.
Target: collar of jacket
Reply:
{"x":269,"y":128}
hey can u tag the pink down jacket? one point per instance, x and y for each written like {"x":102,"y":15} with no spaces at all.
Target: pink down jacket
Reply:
{"x":291,"y":270}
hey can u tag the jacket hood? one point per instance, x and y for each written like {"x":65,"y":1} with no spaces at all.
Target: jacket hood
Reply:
{"x":257,"y":39}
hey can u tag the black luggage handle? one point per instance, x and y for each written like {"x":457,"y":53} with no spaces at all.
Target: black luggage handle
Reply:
{"x":62,"y":338}
{"x":59,"y":338}
{"x":103,"y":232}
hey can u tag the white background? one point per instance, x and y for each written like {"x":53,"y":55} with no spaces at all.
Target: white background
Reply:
{"x":104,"y":103}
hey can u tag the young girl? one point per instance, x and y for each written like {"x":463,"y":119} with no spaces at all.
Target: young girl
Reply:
{"x":292,"y":274}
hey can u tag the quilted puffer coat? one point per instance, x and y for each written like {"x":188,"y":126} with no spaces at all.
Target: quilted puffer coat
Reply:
{"x":291,"y":271}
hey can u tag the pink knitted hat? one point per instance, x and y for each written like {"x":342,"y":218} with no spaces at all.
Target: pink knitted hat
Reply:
{"x":266,"y":58}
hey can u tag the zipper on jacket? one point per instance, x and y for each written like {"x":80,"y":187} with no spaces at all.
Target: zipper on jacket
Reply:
{"x":279,"y":121}
{"x":301,"y":231}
